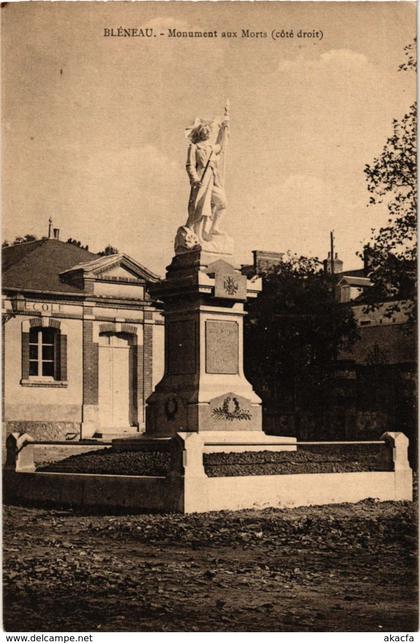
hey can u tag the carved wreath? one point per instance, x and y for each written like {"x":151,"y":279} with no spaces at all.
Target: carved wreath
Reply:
{"x":171,"y":408}
{"x":231,"y":410}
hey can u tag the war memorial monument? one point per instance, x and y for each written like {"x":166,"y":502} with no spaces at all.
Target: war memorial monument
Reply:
{"x":204,"y":404}
{"x":204,"y":389}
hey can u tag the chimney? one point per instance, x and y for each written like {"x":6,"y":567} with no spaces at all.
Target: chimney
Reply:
{"x":367,"y":260}
{"x":57,"y":233}
{"x":264,"y":260}
{"x":49,"y":227}
{"x":338,"y":264}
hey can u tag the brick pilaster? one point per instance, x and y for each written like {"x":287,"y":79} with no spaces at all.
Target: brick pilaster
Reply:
{"x":90,"y":365}
{"x":63,"y":357}
{"x":25,"y":356}
{"x":3,"y":369}
{"x":140,"y":377}
{"x":148,"y":360}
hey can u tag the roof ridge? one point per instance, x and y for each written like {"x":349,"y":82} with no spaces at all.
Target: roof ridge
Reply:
{"x":117,"y":258}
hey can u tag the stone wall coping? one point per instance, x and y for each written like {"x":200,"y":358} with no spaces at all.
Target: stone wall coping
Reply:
{"x":344,"y":442}
{"x":99,"y":476}
{"x":71,"y":443}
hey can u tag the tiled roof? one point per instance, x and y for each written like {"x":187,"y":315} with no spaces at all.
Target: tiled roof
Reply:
{"x":358,"y":272}
{"x":355,"y":281}
{"x":36,"y":265}
{"x":13,"y":254}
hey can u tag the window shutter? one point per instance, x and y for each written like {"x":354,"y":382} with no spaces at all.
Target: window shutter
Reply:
{"x":63,"y":357}
{"x":57,"y":374}
{"x":25,"y":356}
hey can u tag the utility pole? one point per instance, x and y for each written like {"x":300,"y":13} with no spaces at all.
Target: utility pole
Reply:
{"x":333,"y":292}
{"x":332,"y":252}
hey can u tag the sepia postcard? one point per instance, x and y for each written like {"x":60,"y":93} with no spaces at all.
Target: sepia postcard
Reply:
{"x":209,"y":361}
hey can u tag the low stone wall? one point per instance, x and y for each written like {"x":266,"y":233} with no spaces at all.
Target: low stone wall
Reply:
{"x":42,"y":430}
{"x":257,"y":492}
{"x":93,"y":492}
{"x":202,"y":493}
{"x":186,"y":488}
{"x":22,"y":484}
{"x":66,"y":432}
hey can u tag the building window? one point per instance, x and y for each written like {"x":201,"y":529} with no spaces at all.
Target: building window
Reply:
{"x":44,"y":353}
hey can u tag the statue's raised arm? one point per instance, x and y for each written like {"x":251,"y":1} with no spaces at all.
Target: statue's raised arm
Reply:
{"x":205,"y":166}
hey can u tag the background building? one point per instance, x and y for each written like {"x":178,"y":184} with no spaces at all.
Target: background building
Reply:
{"x":375,"y":382}
{"x":82,"y":341}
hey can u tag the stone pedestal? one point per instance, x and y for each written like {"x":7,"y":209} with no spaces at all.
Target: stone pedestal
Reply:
{"x":204,"y":388}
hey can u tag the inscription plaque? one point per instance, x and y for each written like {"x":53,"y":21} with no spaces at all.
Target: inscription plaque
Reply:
{"x":181,"y":348}
{"x":222,"y":347}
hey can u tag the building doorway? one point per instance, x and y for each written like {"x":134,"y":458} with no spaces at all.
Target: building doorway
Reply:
{"x":117,"y":382}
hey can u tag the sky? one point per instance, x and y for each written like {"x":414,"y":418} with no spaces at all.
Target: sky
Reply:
{"x":93,"y":126}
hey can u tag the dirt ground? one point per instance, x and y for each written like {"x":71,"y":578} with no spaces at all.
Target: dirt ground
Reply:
{"x":333,"y":568}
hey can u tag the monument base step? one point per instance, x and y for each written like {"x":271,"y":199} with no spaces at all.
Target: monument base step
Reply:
{"x":109,"y":433}
{"x":213,"y":441}
{"x":141,"y":442}
{"x":240,"y":441}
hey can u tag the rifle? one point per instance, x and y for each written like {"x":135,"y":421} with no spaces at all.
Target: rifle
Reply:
{"x":207,"y":165}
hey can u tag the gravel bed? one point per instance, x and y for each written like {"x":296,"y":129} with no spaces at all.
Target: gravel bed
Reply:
{"x":155,"y":463}
{"x":107,"y":461}
{"x":304,"y":460}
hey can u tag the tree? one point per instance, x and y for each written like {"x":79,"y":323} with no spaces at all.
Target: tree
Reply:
{"x":19,"y":239}
{"x":391,"y":179}
{"x":108,"y":250}
{"x":294,"y":331}
{"x":76,"y":242}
